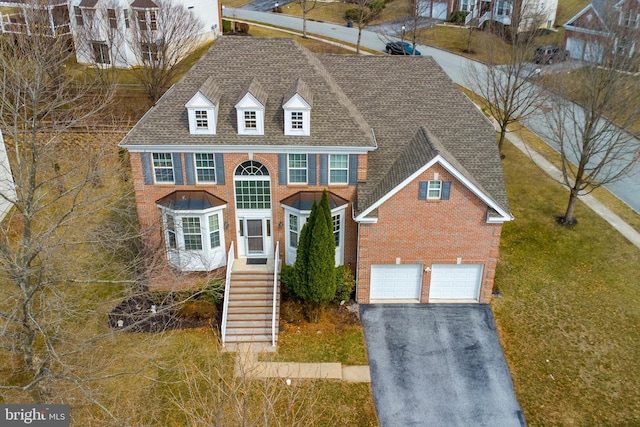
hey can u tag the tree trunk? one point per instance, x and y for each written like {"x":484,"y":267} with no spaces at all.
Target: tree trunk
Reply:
{"x":304,"y":21}
{"x":359,"y":37}
{"x":568,"y":216}
{"x":503,"y":134}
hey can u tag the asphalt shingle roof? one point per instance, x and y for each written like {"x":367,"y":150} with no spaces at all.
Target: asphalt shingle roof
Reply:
{"x":409,"y":104}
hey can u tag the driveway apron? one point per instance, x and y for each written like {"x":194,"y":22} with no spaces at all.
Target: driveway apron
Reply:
{"x":438,"y":365}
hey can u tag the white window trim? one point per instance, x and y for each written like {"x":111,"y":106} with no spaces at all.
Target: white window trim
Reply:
{"x":246,"y":104}
{"x":289,"y":169}
{"x":200,"y":103}
{"x":329,"y":169}
{"x":155,"y":168}
{"x":297,"y":105}
{"x":205,"y":259}
{"x":429,"y":189}
{"x":303,"y":217}
{"x":195,"y":166}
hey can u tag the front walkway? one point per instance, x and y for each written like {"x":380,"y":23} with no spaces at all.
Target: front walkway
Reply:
{"x":248,"y":365}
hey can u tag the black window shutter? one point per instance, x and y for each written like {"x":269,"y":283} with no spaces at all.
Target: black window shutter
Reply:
{"x":422,"y":190}
{"x":282,"y":169}
{"x":446,"y":190}
{"x":324,"y":169}
{"x":353,"y":169}
{"x":189,"y":168}
{"x":218,"y":160}
{"x":147,"y":172}
{"x":312,"y":171}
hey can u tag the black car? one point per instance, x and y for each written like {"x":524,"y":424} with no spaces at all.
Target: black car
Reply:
{"x":401,"y":48}
{"x":550,"y":54}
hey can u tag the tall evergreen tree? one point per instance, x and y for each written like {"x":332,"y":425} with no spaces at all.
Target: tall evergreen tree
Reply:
{"x":315,"y":259}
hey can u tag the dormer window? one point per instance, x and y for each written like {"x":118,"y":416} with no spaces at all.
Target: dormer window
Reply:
{"x":250,"y":110}
{"x":202,"y":109}
{"x":297,"y":110}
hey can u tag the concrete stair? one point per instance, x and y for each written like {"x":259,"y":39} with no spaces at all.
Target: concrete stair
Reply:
{"x":250,"y":307}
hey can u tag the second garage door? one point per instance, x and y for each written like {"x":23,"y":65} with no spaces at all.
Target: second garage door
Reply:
{"x":455,"y":281}
{"x":396,"y":281}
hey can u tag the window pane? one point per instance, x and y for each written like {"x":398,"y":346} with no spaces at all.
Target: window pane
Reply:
{"x":336,"y":229}
{"x":434,"y":189}
{"x":191,"y":233}
{"x":339,"y":161}
{"x":205,"y":167}
{"x":191,"y":225}
{"x":338,"y":176}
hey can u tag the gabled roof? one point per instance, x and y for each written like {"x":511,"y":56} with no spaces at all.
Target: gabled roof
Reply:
{"x":411,"y":101}
{"x":144,"y":4}
{"x":605,"y":13}
{"x":233,"y":62}
{"x":402,"y":111}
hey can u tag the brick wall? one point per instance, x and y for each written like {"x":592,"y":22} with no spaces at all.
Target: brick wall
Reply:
{"x":430,"y":232}
{"x":150,"y":219}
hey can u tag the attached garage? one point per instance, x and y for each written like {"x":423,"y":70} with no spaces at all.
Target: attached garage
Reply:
{"x":455,"y":281}
{"x":396,"y":281}
{"x":575,"y":48}
{"x":437,"y":10}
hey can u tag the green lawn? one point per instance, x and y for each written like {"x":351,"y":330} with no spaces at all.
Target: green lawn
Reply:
{"x":570,"y":313}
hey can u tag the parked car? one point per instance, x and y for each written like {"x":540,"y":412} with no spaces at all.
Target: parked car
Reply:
{"x":549,"y":54}
{"x":401,"y":48}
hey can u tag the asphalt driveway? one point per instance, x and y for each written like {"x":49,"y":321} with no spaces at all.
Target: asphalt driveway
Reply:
{"x":438,"y":365}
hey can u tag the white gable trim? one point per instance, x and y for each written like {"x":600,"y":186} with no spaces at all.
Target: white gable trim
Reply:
{"x":199,"y":101}
{"x":296,"y":102}
{"x":249,"y":102}
{"x":505,"y":216}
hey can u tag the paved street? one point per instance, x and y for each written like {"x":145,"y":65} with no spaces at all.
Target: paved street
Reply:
{"x":627,"y":189}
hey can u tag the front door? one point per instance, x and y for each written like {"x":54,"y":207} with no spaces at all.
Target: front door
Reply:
{"x":255,"y":237}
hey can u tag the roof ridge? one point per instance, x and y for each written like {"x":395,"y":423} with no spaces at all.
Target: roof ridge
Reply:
{"x":336,"y":89}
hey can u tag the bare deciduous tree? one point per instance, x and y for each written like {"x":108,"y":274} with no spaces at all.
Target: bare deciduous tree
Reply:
{"x":162,"y":37}
{"x":306,"y":6}
{"x":503,"y":83}
{"x":594,"y":134}
{"x":57,"y":198}
{"x":363,"y":13}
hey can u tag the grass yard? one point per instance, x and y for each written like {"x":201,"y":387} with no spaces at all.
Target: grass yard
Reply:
{"x":570,"y":313}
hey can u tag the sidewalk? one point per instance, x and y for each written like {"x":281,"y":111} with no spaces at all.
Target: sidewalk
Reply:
{"x":616,"y":222}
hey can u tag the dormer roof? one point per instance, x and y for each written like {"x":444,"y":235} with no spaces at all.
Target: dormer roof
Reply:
{"x":210,"y":90}
{"x":143,"y":4}
{"x":299,"y":88}
{"x":255,"y":89}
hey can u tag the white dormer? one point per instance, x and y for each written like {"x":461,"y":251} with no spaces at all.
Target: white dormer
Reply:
{"x":250,"y":110}
{"x":297,"y":110}
{"x":202,"y":109}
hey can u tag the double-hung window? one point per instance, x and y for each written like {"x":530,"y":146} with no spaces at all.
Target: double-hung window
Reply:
{"x":205,"y":167}
{"x":153,"y":20}
{"x":434,"y":189}
{"x":250,"y":120}
{"x":113,"y":19}
{"x":214,"y":231}
{"x":338,"y":169}
{"x":142,"y":20}
{"x":297,"y":168}
{"x":101,"y":52}
{"x":297,"y":121}
{"x":171,"y":231}
{"x":336,"y":229}
{"x":293,"y":231}
{"x":202,"y":121}
{"x":163,"y":167}
{"x":77,"y":12}
{"x":192,"y":233}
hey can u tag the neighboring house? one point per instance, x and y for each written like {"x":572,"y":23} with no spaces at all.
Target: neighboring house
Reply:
{"x":7,"y":184}
{"x":237,"y":151}
{"x":107,"y":32}
{"x":502,"y":11}
{"x":604,"y":28}
{"x":119,"y":32}
{"x":14,"y":15}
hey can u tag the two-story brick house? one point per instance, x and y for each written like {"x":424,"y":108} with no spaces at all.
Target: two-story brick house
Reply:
{"x":258,"y":128}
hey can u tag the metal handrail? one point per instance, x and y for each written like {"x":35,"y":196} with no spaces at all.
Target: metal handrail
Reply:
{"x":275,"y":294}
{"x":227,"y":286}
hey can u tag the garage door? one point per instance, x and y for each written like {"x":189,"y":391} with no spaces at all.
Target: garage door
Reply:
{"x":437,"y":10}
{"x":455,"y":281}
{"x":575,"y":48}
{"x":396,"y":281}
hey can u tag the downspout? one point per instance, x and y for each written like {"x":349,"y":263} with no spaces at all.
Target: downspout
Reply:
{"x":357,"y":250}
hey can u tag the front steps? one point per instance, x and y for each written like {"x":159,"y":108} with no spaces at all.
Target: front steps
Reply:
{"x":251,"y":305}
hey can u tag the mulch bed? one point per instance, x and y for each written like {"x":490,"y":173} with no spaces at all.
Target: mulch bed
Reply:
{"x":140,"y":314}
